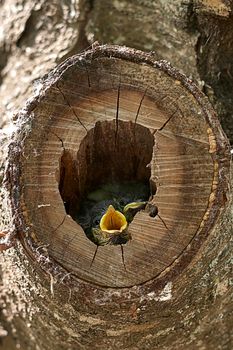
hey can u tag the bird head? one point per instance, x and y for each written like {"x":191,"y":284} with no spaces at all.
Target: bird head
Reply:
{"x":131,"y":209}
{"x":113,"y":221}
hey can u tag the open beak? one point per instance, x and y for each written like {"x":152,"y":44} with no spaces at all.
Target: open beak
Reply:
{"x":113,"y":221}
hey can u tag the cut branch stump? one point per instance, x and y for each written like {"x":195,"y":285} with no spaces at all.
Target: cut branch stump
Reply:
{"x":116,"y":114}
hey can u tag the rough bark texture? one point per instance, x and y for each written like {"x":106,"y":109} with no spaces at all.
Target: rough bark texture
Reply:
{"x":195,"y":310}
{"x":195,"y":36}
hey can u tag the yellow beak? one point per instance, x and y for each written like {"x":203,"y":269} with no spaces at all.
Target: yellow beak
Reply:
{"x":113,"y":221}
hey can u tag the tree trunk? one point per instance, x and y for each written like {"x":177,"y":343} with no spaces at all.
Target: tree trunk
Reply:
{"x":169,"y":287}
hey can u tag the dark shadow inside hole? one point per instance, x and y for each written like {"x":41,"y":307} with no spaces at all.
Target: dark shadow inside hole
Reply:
{"x":108,"y":171}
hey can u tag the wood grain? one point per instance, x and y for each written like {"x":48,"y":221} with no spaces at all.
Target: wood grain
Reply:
{"x":78,"y":112}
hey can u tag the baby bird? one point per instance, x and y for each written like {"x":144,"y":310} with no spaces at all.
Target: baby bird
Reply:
{"x":107,"y":212}
{"x":113,"y":226}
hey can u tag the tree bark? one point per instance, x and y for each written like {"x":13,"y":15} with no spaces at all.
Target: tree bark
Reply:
{"x":191,"y":309}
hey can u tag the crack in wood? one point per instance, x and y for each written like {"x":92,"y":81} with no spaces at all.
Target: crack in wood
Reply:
{"x":123,"y":258}
{"x":164,"y":223}
{"x":117,"y":111}
{"x":154,"y":212}
{"x":59,"y":138}
{"x":166,"y":122}
{"x":68,"y":103}
{"x":94,"y":256}
{"x":139,"y":107}
{"x":58,"y":226}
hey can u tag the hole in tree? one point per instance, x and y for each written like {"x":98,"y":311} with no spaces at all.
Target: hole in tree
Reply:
{"x":110,"y":174}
